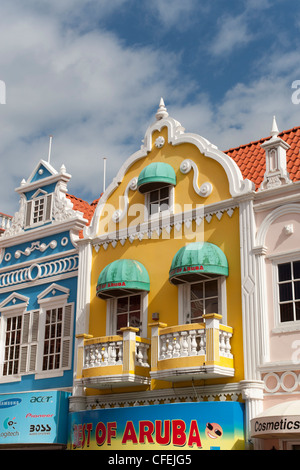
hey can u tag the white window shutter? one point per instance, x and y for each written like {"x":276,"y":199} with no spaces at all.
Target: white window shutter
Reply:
{"x":48,"y":213}
{"x":28,"y":213}
{"x":67,"y":339}
{"x":23,"y":359}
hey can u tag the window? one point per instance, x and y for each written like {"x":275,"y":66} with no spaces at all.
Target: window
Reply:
{"x":199,"y":298}
{"x":38,"y":210}
{"x":159,"y":200}
{"x":37,"y":341}
{"x":125,"y":311}
{"x":12,"y":345}
{"x":128,"y":312}
{"x":289,"y":291}
{"x":203,"y":299}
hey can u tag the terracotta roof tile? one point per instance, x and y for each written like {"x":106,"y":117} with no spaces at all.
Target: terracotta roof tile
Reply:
{"x":84,"y":207}
{"x":251,"y":157}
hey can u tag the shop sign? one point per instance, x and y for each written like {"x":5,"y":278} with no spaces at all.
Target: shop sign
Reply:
{"x":275,"y":425}
{"x":31,"y":418}
{"x":189,"y":426}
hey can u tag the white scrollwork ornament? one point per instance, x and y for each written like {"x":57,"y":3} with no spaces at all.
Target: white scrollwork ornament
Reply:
{"x":206,"y":188}
{"x":160,"y":142}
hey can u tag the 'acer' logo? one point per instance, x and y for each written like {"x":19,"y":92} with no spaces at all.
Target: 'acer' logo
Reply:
{"x":40,"y":399}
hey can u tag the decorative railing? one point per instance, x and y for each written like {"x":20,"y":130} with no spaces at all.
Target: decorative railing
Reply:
{"x":5,"y":222}
{"x":119,"y":359}
{"x":180,"y":352}
{"x":105,"y":353}
{"x":195,"y":349}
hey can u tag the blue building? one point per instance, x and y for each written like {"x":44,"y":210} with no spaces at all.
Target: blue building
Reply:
{"x":38,"y":290}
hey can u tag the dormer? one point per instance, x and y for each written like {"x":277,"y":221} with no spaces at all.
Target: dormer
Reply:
{"x":276,"y":173}
{"x":43,"y":201}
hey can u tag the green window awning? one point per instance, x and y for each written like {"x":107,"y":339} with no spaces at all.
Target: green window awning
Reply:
{"x":197,"y":260}
{"x":155,"y":176}
{"x":122,"y":277}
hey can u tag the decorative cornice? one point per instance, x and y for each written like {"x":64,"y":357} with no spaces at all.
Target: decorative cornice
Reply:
{"x":156,"y":226}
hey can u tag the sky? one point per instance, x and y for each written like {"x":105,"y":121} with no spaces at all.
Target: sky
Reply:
{"x":91,"y":74}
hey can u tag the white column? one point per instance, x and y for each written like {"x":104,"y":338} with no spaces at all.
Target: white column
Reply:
{"x":251,"y":331}
{"x":82,"y":311}
{"x":253,"y":394}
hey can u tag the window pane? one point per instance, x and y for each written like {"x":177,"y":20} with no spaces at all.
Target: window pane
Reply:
{"x":154,"y":196}
{"x":135,"y":302}
{"x":134,"y":319}
{"x":286,"y":312}
{"x":284,"y":272}
{"x":154,"y":208}
{"x":122,"y":305}
{"x":164,"y":193}
{"x":285,"y":292}
{"x":211,"y":305}
{"x":121,"y":321}
{"x":296,"y":269}
{"x":197,"y":291}
{"x":211,"y":289}
{"x":297,"y":289}
{"x":297,"y":308}
{"x":196,"y":310}
{"x":164,"y":206}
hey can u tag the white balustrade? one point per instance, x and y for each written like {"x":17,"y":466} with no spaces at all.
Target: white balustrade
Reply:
{"x":225,"y":346}
{"x":110,"y":353}
{"x":5,"y":221}
{"x":191,"y":342}
{"x":182,"y":344}
{"x":141,"y":354}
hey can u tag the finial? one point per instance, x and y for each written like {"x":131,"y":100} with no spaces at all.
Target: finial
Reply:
{"x":63,"y":169}
{"x":162,"y":111}
{"x":274,"y":130}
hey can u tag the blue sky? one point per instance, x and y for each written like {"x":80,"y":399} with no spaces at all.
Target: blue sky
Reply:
{"x":91,"y":73}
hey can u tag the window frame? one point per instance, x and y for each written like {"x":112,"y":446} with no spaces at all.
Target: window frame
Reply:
{"x":279,"y":326}
{"x":166,"y":212}
{"x":32,"y":347}
{"x":184,"y":299}
{"x":47,"y":210}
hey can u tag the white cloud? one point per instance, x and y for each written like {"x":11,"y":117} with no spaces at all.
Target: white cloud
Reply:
{"x":96,"y":95}
{"x":89,"y":90}
{"x":233,"y":33}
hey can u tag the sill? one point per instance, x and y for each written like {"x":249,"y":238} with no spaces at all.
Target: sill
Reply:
{"x":288,"y":327}
{"x":49,"y":374}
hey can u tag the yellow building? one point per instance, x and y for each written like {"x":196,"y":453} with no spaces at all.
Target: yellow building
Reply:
{"x":159,"y":326}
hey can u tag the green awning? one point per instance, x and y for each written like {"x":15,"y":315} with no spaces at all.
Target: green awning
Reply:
{"x":195,"y":260}
{"x":122,"y":277}
{"x":155,"y":176}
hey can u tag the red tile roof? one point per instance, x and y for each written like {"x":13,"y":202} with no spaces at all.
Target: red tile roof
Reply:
{"x":84,"y":207}
{"x":251,"y":157}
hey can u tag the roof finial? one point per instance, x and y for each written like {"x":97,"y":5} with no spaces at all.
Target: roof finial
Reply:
{"x":162,"y":111}
{"x":274,"y":130}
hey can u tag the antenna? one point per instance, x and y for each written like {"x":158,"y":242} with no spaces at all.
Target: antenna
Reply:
{"x":50,"y":144}
{"x":104,"y":173}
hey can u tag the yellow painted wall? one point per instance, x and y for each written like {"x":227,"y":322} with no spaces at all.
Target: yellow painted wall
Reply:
{"x":157,"y":254}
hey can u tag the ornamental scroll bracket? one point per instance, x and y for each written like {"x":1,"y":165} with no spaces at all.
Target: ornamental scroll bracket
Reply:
{"x":119,"y":214}
{"x":206,"y":188}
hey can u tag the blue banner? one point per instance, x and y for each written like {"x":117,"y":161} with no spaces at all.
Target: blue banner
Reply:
{"x":31,"y":418}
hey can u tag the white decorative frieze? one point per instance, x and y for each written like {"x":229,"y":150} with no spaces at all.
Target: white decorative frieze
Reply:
{"x":36,"y":246}
{"x":39,"y":271}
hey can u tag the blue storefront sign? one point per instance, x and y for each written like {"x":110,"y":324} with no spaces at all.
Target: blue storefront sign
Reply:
{"x":180,"y":426}
{"x":34,"y":418}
